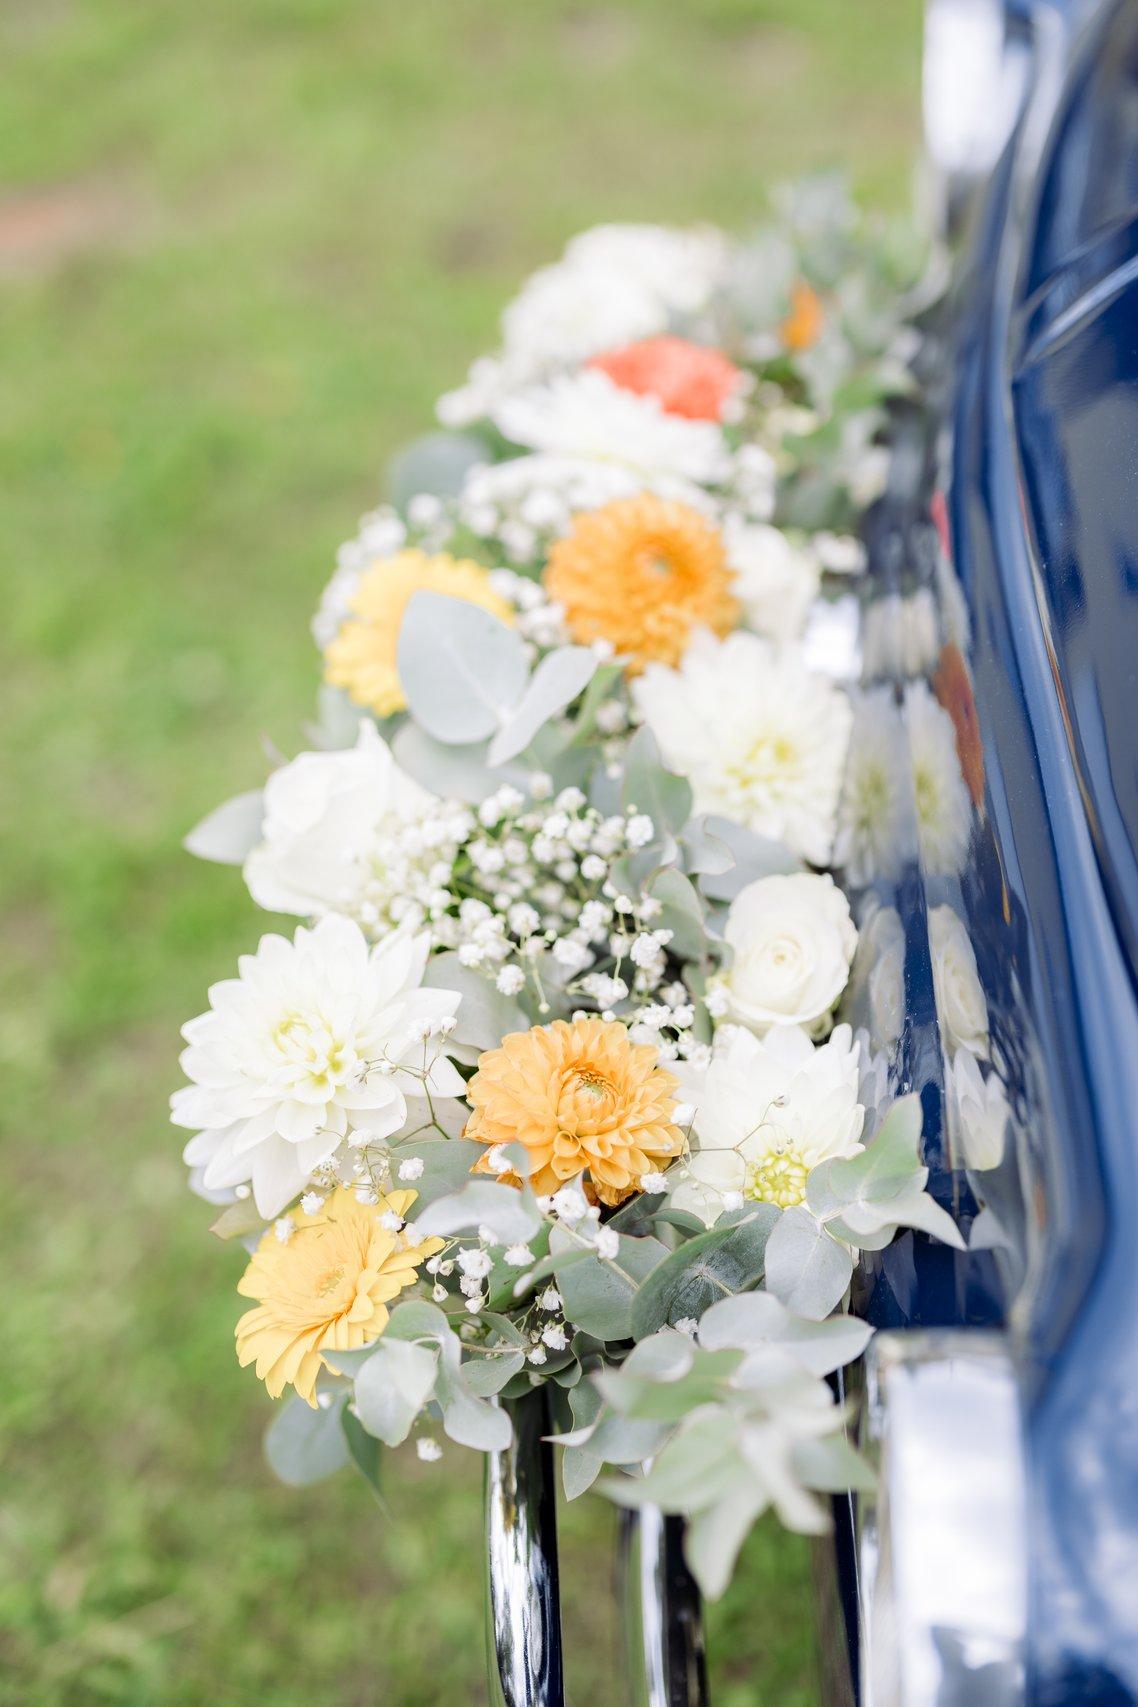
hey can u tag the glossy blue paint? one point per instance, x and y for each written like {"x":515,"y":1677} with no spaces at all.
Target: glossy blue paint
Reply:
{"x":1031,"y":433}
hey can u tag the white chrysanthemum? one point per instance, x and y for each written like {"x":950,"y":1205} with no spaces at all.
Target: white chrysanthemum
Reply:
{"x":792,"y":940}
{"x":315,"y":1038}
{"x":766,"y":1113}
{"x":584,"y":415}
{"x":877,"y":988}
{"x":348,"y":832}
{"x":775,"y":580}
{"x":682,"y":266}
{"x":761,"y":739}
{"x":900,"y":636}
{"x":961,"y":1005}
{"x":944,"y":810}
{"x":874,"y":834}
{"x":981,"y":1111}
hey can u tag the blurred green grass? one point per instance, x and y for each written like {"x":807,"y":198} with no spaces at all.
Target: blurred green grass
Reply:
{"x":243,"y":244}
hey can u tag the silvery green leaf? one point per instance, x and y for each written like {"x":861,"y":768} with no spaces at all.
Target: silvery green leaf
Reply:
{"x":365,"y":1450}
{"x":752,"y":857}
{"x":392,"y":1388}
{"x":883,"y":1169}
{"x":470,"y":1421}
{"x":714,"y":1536}
{"x":487,"y":1373}
{"x":806,"y":1270}
{"x":350,"y":1362}
{"x":871,"y":1226}
{"x":598,"y":691}
{"x":437,"y":463}
{"x":459,"y":773}
{"x":461,"y":669}
{"x":556,"y":682}
{"x":703,"y":1270}
{"x":650,"y":788}
{"x":705,"y":853}
{"x":304,"y":1444}
{"x":447,"y":1163}
{"x":417,"y":1320}
{"x":598,"y":1294}
{"x":338,"y":719}
{"x":230,"y":832}
{"x":757,"y":1319}
{"x":831,"y":1465}
{"x":510,"y":1214}
{"x":699,"y":1466}
{"x":579,"y":1470}
{"x":237,"y":1220}
{"x":666,"y":1356}
{"x":668,"y":1398}
{"x":682,"y":913}
{"x":626,"y":1440}
{"x":484,"y":1015}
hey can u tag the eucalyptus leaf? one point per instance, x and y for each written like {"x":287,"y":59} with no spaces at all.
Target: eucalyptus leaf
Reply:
{"x":458,"y":773}
{"x":579,"y":1470}
{"x":488,"y":1372}
{"x":437,"y":464}
{"x":461,"y":669}
{"x":598,"y":1294}
{"x":713,"y":1265}
{"x":752,"y":857}
{"x":471,"y":1421}
{"x":366,"y":1451}
{"x":484,"y":1015}
{"x":831,"y":1465}
{"x":757,"y":1319}
{"x":714,"y":1536}
{"x":556,"y":682}
{"x":598,"y":691}
{"x":511,"y":1215}
{"x":238,"y":1219}
{"x":305,"y":1443}
{"x":392,"y":1388}
{"x":415,"y":1319}
{"x":682,"y":913}
{"x":807,"y":1270}
{"x":699,"y":1466}
{"x":230,"y":832}
{"x":447,"y":1165}
{"x":649,"y":787}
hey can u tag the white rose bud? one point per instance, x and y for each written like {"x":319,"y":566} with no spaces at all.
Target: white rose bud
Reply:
{"x":793,"y":940}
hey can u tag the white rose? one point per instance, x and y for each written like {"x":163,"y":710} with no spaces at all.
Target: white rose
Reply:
{"x":961,"y":1007}
{"x":792,"y":940}
{"x":325,"y":815}
{"x":982,"y":1111}
{"x":774,"y":580}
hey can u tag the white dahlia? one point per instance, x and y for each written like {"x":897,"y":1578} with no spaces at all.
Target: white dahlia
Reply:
{"x":314,"y":1039}
{"x":348,"y":832}
{"x":767,"y":1112}
{"x":874,"y":835}
{"x":944,"y":810}
{"x":775,"y":580}
{"x":585,"y":415}
{"x":761,"y":738}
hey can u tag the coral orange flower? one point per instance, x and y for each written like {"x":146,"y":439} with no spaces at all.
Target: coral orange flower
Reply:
{"x":324,"y":1287}
{"x":362,"y":657}
{"x":577,"y":1095}
{"x":642,"y":573}
{"x":803,"y":325}
{"x":684,"y":378}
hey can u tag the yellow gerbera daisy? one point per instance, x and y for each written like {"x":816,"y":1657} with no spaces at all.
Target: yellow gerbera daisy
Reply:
{"x":641,"y":573}
{"x":324,"y":1287}
{"x":577,"y":1095}
{"x":362,"y":657}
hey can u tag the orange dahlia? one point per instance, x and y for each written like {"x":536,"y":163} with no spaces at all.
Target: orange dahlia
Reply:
{"x":324,"y":1287}
{"x":578,"y":1095}
{"x":641,"y":573}
{"x":684,"y":378}
{"x":803,"y":325}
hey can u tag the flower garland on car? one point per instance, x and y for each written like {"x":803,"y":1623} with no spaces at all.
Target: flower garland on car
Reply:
{"x":552,"y":1085}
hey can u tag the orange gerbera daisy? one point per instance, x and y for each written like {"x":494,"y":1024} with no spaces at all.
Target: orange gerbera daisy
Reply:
{"x":803,"y":325}
{"x":641,"y":573}
{"x":684,"y":378}
{"x":578,"y":1095}
{"x":324,"y":1287}
{"x":363,"y":656}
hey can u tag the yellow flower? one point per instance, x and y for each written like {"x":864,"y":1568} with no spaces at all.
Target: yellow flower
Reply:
{"x":577,"y":1095}
{"x":362,"y":657}
{"x":642,"y":573}
{"x":324,"y":1287}
{"x":802,"y":327}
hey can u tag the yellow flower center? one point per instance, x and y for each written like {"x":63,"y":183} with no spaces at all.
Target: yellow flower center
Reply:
{"x":329,"y":1282}
{"x":779,"y":1179}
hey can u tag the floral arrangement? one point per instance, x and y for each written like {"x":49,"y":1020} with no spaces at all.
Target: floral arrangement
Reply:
{"x":552,"y":1085}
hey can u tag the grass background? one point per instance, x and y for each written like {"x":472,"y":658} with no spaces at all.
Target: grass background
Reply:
{"x":243,"y":244}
